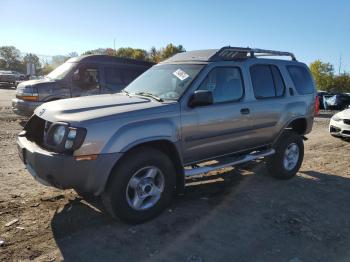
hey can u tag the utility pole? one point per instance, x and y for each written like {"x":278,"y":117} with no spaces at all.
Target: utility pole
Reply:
{"x":339,"y":65}
{"x":114,"y":45}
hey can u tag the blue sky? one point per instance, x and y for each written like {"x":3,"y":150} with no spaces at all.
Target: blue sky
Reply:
{"x":310,"y":29}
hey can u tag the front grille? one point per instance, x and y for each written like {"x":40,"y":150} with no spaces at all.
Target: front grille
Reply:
{"x":347,"y":121}
{"x":346,"y":132}
{"x":35,"y":129}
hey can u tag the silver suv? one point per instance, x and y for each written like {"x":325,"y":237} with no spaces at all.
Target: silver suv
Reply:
{"x":135,"y":148}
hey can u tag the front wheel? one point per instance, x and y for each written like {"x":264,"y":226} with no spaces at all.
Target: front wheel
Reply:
{"x":141,"y":186}
{"x":285,"y":163}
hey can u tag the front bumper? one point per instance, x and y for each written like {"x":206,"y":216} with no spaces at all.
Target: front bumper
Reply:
{"x":339,"y":128}
{"x":63,"y":171}
{"x":24,"y":108}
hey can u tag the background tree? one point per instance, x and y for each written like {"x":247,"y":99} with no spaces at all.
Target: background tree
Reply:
{"x":341,"y":83}
{"x":58,"y":60}
{"x":154,"y":55}
{"x":323,"y":74}
{"x":72,"y":54}
{"x":32,"y":58}
{"x":10,"y":57}
{"x":171,"y":50}
{"x":128,"y":52}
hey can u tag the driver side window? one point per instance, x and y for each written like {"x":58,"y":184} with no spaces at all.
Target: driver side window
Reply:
{"x":225,"y":83}
{"x":87,"y":75}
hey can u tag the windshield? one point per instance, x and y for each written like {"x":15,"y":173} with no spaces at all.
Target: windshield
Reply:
{"x":61,"y":71}
{"x":168,"y":82}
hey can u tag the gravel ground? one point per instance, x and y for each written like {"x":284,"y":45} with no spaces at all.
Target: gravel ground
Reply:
{"x":237,"y":215}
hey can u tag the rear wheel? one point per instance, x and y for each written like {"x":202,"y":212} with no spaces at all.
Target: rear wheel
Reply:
{"x":141,"y":186}
{"x":285,"y":163}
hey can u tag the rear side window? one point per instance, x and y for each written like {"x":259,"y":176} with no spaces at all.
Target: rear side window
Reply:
{"x":129,"y":75}
{"x":302,"y":79}
{"x":113,"y":75}
{"x":267,"y":81}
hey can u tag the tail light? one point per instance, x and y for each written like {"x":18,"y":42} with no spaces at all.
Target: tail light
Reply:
{"x":317,"y":106}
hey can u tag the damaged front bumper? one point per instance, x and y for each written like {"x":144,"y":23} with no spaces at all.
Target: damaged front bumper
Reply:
{"x":64,"y":171}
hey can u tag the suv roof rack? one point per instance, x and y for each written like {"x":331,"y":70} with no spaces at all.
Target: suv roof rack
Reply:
{"x":232,"y":53}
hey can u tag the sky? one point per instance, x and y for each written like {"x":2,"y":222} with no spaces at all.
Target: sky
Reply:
{"x":310,"y":29}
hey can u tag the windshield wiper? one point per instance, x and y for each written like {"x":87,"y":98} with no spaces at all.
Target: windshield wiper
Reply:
{"x":126,"y":92}
{"x":150,"y":95}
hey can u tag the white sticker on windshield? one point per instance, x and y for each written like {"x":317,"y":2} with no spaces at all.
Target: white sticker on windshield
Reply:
{"x":182,"y":75}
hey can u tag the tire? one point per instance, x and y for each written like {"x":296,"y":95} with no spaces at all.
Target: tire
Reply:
{"x":131,"y":180}
{"x":279,"y":165}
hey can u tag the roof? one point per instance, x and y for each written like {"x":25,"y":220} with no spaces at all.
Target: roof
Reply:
{"x":226,"y":53}
{"x":108,"y":59}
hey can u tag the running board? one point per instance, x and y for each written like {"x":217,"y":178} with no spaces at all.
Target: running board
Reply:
{"x":232,"y":162}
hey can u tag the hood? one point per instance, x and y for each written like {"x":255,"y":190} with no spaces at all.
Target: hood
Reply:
{"x":37,"y":82}
{"x":345,"y":114}
{"x":34,"y":84}
{"x":80,"y":109}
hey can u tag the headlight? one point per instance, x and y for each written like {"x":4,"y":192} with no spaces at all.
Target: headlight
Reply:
{"x":336,"y":118}
{"x":62,"y":137}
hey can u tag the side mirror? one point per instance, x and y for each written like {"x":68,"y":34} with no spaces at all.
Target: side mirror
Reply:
{"x":201,"y":98}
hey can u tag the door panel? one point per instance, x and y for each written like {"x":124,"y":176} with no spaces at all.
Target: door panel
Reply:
{"x":223,"y":127}
{"x":270,"y":102}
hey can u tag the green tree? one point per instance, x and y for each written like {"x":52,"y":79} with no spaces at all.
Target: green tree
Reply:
{"x":98,"y":51}
{"x":323,"y":74}
{"x":32,"y":58}
{"x":154,"y":55}
{"x":128,"y":52}
{"x":12,"y":57}
{"x":341,"y":83}
{"x":171,"y":50}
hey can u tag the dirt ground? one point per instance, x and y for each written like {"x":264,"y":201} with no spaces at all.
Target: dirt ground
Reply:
{"x":244,"y":216}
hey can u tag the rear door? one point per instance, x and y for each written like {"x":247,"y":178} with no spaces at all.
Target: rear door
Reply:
{"x":220,"y":128}
{"x":268,"y":107}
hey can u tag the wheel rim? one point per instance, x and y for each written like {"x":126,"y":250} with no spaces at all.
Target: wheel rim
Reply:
{"x":291,"y":156}
{"x":145,"y":188}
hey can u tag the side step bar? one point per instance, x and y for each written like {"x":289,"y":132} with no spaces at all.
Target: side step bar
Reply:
{"x":232,"y":162}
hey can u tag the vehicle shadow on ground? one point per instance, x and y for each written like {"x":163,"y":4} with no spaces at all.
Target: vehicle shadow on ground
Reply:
{"x":84,"y":232}
{"x":6,"y":86}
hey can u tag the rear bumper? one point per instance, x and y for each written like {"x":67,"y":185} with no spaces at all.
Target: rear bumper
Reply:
{"x":338,"y":128}
{"x":24,"y":108}
{"x":63,"y":171}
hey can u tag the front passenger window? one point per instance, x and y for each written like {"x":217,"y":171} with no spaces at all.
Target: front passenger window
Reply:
{"x":225,"y":83}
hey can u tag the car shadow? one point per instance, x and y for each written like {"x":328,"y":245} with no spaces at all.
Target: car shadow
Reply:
{"x":200,"y":220}
{"x":6,"y":86}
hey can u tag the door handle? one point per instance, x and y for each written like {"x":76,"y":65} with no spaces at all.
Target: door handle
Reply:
{"x":245,"y":111}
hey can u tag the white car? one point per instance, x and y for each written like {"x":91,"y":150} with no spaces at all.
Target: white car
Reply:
{"x":339,"y":125}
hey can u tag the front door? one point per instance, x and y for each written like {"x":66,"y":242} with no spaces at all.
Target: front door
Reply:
{"x":86,"y":81}
{"x":222,"y":127}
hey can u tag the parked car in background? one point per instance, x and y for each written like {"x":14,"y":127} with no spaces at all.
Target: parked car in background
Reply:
{"x":339,"y":125}
{"x":79,"y":76}
{"x":19,"y":76}
{"x":337,"y":101}
{"x":321,"y":95}
{"x":136,"y":148}
{"x":8,"y":77}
